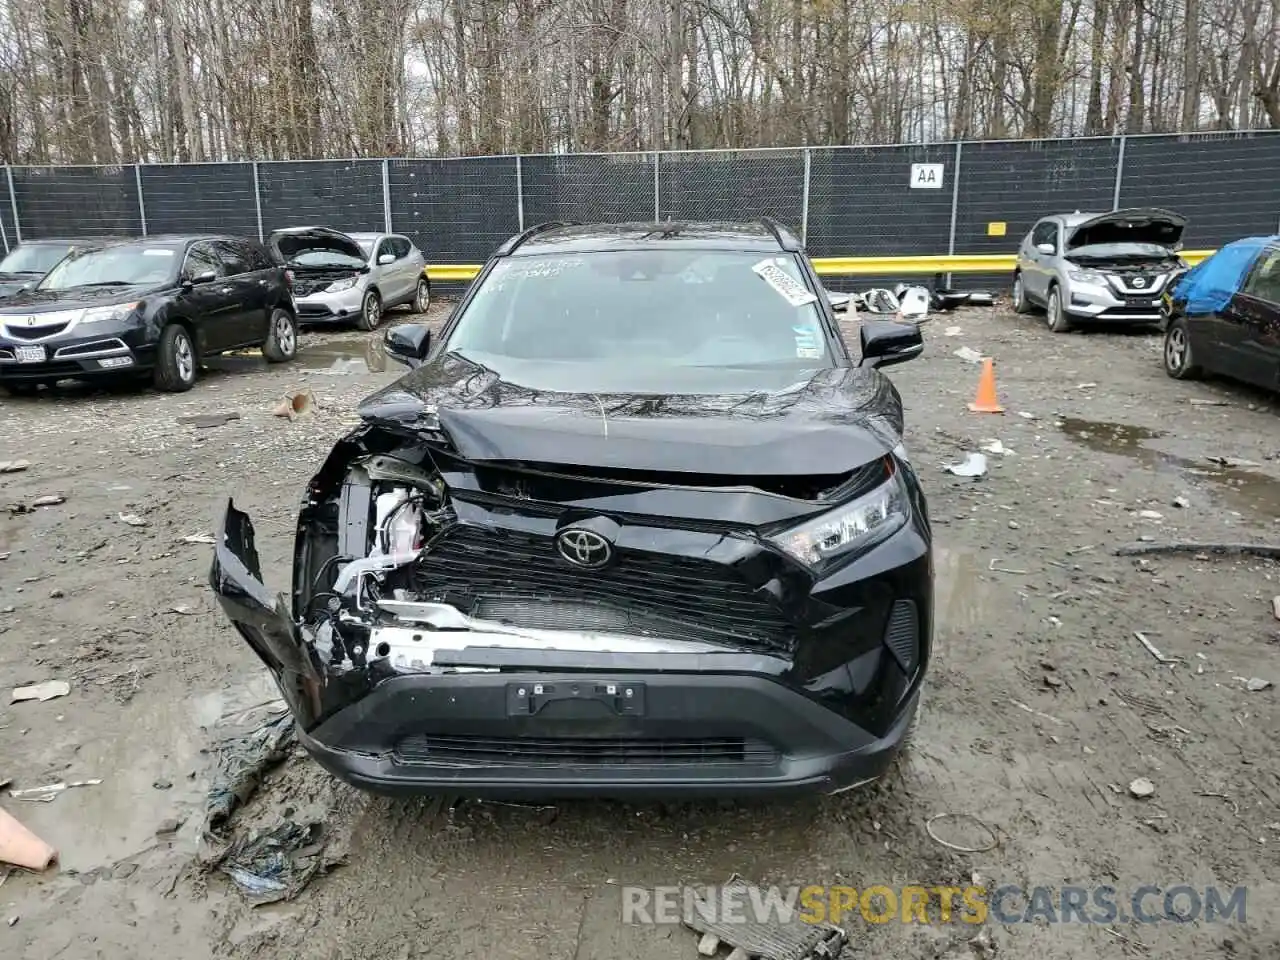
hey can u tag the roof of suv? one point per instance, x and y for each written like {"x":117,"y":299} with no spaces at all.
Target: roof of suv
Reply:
{"x":763,"y":236}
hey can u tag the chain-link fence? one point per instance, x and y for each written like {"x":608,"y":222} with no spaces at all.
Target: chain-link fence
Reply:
{"x":971,"y":197}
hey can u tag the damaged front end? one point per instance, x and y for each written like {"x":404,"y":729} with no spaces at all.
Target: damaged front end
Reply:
{"x":512,"y":628}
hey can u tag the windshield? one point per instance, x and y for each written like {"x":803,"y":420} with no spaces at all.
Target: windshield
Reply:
{"x":647,"y":309}
{"x":127,"y":265}
{"x":33,"y":258}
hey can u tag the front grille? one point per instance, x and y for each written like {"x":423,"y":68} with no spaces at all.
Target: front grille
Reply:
{"x":520,"y":576}
{"x":468,"y":751}
{"x":35,"y":333}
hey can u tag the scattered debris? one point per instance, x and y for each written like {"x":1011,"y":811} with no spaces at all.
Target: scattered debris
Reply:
{"x":22,"y":848}
{"x":1200,"y":402}
{"x":1254,"y":684}
{"x":974,"y":465}
{"x":162,"y":784}
{"x":56,"y":593}
{"x":913,"y":302}
{"x":168,"y":826}
{"x":48,"y":500}
{"x":967,"y":354}
{"x":242,"y":762}
{"x":1051,"y":681}
{"x":1231,"y":462}
{"x":1141,"y":788}
{"x":996,"y":447}
{"x":47,"y":690}
{"x":14,"y":466}
{"x":880,"y":300}
{"x":982,"y":945}
{"x":295,"y":404}
{"x":1235,"y":807}
{"x":200,"y":538}
{"x":182,"y":610}
{"x":781,"y":937}
{"x":1151,"y":514}
{"x":1226,"y":549}
{"x":1151,"y":649}
{"x":952,"y":332}
{"x":273,"y":865}
{"x":994,"y":567}
{"x":1275,"y":607}
{"x":206,"y":421}
{"x":1182,"y":502}
{"x":1035,"y":713}
{"x":990,"y":845}
{"x":132,"y":519}
{"x":49,"y":791}
{"x":1085,"y":386}
{"x":1131,"y":941}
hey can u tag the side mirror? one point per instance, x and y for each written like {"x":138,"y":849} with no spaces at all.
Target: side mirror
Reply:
{"x":204,"y":276}
{"x":386,"y":258}
{"x":839,"y":302}
{"x":408,"y":343}
{"x":886,"y":342}
{"x":1048,"y":249}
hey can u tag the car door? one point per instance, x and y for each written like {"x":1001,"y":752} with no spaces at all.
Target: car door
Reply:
{"x":1252,"y":322}
{"x":407,"y":265}
{"x":211,"y":303}
{"x":1036,"y":277}
{"x":242,"y":276}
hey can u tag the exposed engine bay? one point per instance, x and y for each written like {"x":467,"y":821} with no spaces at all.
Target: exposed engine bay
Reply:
{"x":309,"y":280}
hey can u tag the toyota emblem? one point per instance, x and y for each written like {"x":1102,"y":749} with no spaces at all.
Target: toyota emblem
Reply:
{"x":584,"y":548}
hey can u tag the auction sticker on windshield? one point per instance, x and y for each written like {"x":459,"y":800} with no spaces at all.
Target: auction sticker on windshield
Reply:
{"x":159,"y":252}
{"x":787,"y":286}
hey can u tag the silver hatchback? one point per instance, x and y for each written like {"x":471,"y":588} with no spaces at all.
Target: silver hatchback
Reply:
{"x":340,"y":277}
{"x":1099,"y":266}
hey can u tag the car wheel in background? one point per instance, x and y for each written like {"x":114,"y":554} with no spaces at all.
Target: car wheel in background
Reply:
{"x":422,"y":297}
{"x":370,"y":311}
{"x":176,"y":360}
{"x":1178,"y":360}
{"x":25,"y":389}
{"x":282,"y":337}
{"x":1056,"y":316}
{"x":1020,"y":302}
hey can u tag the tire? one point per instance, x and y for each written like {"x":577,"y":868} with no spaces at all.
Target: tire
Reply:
{"x":281,"y":344}
{"x":422,"y":296}
{"x":1055,"y":316}
{"x":176,"y":360}
{"x":1179,"y":362}
{"x":370,"y":311}
{"x":24,"y":389}
{"x":1020,"y":302}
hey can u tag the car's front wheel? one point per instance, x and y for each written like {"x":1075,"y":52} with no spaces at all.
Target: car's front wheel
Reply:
{"x":370,"y":311}
{"x":1056,"y":314}
{"x":1179,"y":362}
{"x":282,"y":337}
{"x":422,"y":296}
{"x":176,"y":360}
{"x":1020,"y":302}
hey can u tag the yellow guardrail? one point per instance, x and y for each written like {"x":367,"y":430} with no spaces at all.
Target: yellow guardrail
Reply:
{"x":858,"y":266}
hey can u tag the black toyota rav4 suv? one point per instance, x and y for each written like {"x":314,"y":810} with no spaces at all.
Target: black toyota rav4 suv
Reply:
{"x":150,"y":307}
{"x":635,"y":523}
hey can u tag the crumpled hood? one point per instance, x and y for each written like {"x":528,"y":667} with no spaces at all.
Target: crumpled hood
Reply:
{"x":833,"y":422}
{"x":1134,"y":225}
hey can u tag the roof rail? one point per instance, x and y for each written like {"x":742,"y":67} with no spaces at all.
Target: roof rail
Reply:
{"x":786,"y":239}
{"x":511,"y":245}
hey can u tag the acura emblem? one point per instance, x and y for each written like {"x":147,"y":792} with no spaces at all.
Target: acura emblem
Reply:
{"x":584,"y":548}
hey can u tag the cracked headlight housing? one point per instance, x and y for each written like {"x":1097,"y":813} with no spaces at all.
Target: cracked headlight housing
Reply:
{"x":1088,"y":276}
{"x":346,"y":283}
{"x":117,"y":312}
{"x":850,"y":529}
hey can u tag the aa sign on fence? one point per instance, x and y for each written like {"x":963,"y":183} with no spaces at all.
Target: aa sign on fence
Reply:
{"x":926,"y":176}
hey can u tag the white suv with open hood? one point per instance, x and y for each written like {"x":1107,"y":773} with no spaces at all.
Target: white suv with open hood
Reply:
{"x":339,"y":277}
{"x":1099,"y":266}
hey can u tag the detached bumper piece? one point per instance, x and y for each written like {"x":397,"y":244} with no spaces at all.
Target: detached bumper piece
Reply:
{"x":777,"y":938}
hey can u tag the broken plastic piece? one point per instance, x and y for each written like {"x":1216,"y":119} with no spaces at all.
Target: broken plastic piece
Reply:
{"x":41,"y":691}
{"x":792,"y":938}
{"x":974,"y":465}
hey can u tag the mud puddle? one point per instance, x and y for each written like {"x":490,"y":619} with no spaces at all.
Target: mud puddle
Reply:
{"x":1242,"y":487}
{"x":342,"y":355}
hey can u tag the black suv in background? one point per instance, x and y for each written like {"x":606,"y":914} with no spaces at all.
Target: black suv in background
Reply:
{"x":25,"y":264}
{"x":149,"y":306}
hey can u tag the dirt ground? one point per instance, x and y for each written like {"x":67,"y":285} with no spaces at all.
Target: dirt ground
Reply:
{"x":1042,"y":705}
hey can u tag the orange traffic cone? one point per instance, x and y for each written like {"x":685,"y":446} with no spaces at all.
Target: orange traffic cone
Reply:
{"x":986,"y":401}
{"x":21,"y":847}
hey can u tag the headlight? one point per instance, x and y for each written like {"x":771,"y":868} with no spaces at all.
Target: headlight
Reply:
{"x":344,"y":284}
{"x":849,"y":529}
{"x":117,"y":312}
{"x":1087,"y":276}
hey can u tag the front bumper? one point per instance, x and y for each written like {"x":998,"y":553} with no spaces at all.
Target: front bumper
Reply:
{"x":504,"y":718}
{"x":83,"y":351}
{"x":324,"y":306}
{"x":1088,"y":301}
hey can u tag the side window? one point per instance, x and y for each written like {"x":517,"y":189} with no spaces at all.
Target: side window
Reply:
{"x":202,"y":259}
{"x":1046,"y":232}
{"x":234,"y":256}
{"x":384,"y":247}
{"x":401,"y":246}
{"x":1264,"y":281}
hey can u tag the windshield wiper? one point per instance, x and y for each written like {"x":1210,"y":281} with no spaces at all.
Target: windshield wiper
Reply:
{"x":106,"y":283}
